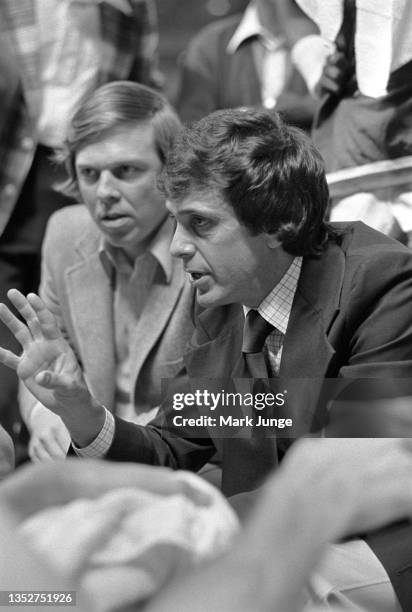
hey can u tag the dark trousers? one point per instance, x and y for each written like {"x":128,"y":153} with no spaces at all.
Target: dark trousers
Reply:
{"x":20,"y":255}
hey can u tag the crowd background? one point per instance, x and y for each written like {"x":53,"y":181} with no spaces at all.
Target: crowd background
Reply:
{"x":178,"y":21}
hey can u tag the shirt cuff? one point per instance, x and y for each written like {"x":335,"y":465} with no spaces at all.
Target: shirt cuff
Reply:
{"x":101,"y":444}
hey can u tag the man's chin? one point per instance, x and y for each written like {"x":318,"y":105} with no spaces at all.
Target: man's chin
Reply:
{"x":210,"y":299}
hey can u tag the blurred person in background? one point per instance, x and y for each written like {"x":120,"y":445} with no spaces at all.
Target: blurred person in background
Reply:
{"x":246,"y":60}
{"x":360,"y":69}
{"x":52,"y":52}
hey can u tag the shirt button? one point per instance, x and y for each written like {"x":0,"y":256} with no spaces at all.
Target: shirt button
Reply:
{"x":27,"y":143}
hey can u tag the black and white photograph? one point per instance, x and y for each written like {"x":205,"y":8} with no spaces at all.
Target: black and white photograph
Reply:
{"x":206,"y":305}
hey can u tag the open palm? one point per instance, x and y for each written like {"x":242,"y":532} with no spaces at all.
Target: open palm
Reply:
{"x":47,"y":366}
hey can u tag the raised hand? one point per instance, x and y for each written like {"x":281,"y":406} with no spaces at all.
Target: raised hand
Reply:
{"x":47,"y":365}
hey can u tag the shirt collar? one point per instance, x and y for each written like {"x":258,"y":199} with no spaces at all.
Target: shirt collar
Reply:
{"x":249,"y":27}
{"x":114,"y":258}
{"x":277,"y":305}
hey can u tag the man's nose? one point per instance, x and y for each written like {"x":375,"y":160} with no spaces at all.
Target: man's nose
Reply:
{"x":181,"y":245}
{"x":107,"y":191}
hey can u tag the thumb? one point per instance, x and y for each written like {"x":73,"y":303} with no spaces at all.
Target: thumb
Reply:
{"x":61,"y":383}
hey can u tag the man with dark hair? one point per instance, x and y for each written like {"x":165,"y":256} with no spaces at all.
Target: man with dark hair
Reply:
{"x":120,"y":299}
{"x":249,"y":197}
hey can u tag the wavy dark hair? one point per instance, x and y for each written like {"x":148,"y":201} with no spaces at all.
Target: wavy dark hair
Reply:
{"x":269,"y":172}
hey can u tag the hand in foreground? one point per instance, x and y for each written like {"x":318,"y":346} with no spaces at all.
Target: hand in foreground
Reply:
{"x":325,"y":489}
{"x":49,"y":438}
{"x":48,"y":367}
{"x":33,"y":488}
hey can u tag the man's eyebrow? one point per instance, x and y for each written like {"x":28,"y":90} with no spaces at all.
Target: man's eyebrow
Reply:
{"x":196,"y":211}
{"x":132,"y":161}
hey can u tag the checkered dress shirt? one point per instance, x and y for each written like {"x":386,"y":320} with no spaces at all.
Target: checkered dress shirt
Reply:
{"x":276,"y":309}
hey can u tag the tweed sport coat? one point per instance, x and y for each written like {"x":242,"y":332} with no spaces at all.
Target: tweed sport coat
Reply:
{"x":76,"y":288}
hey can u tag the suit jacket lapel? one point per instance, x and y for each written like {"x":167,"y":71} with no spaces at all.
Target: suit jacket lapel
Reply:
{"x":218,"y":343}
{"x":306,"y":349}
{"x":307,"y":354}
{"x":89,"y":292}
{"x":242,"y":77}
{"x":160,"y":304}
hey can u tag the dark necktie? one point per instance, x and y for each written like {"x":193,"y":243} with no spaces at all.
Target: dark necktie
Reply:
{"x":249,"y":456}
{"x":345,"y":42}
{"x":255,"y":331}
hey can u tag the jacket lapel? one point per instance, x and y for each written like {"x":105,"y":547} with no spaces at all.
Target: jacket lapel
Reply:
{"x":307,"y":354}
{"x":90,"y":299}
{"x":218,"y":343}
{"x":306,"y":350}
{"x":160,"y":304}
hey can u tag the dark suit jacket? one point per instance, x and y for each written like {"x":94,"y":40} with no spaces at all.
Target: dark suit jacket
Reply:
{"x":351,"y":318}
{"x":213,"y":79}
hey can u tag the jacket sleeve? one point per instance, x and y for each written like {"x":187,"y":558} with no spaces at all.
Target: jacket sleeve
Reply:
{"x":164,"y":441}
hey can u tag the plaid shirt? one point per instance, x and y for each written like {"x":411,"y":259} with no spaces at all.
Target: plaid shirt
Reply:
{"x":276,"y":309}
{"x":130,"y":52}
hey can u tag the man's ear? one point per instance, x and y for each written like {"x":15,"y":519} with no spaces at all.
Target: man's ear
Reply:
{"x":272,"y":241}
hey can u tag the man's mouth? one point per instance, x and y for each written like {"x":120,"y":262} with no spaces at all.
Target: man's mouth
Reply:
{"x":112,"y":216}
{"x":114,"y":222}
{"x":196,"y":275}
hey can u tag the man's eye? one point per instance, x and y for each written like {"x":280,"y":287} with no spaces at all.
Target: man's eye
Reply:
{"x":199,"y":223}
{"x":89,"y":175}
{"x":126,"y":172}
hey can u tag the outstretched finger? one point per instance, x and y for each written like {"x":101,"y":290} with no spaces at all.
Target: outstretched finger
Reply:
{"x":46,"y":319}
{"x":19,"y":330}
{"x":21,"y":303}
{"x":9,"y":359}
